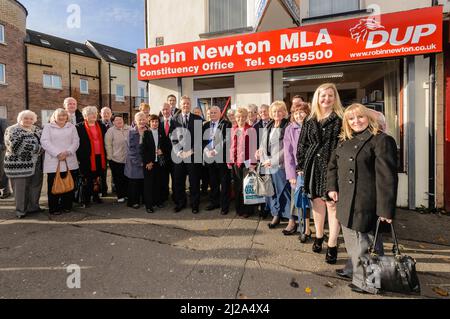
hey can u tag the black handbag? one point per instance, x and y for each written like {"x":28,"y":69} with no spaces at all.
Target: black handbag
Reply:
{"x":80,"y":189}
{"x":389,"y":273}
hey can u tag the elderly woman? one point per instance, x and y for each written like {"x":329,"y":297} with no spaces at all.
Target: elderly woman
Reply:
{"x":60,"y":141}
{"x":23,"y":162}
{"x":91,"y":154}
{"x":272,"y":160}
{"x":362,"y":179}
{"x":252,"y":110}
{"x":231,"y":117}
{"x":243,"y":146}
{"x":116,"y":143}
{"x":299,"y":112}
{"x":134,"y":166}
{"x":155,"y":148}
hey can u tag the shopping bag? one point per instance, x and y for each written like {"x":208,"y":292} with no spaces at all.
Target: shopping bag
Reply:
{"x":249,"y":189}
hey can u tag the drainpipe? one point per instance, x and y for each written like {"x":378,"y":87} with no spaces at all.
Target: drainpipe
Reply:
{"x":131,"y":99}
{"x":70,"y":74}
{"x":431,"y":136}
{"x":110,"y":80}
{"x":27,"y":94}
{"x":100,"y":83}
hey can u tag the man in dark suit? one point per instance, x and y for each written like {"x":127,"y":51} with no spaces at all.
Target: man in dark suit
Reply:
{"x":187,"y":156}
{"x":167,"y":126}
{"x":71,"y":106}
{"x":214,"y":153}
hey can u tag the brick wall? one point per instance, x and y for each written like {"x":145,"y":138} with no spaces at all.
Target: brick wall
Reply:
{"x":57,"y":63}
{"x":12,"y":95}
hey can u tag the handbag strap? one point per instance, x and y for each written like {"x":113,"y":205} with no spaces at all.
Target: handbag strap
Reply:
{"x":58,"y":169}
{"x":395,"y":248}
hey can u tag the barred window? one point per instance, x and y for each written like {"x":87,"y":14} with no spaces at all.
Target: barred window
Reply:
{"x":325,"y":7}
{"x":227,"y":14}
{"x":2,"y":34}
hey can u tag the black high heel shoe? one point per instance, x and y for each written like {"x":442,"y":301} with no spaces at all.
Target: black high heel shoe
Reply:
{"x":304,"y":238}
{"x":291,"y":231}
{"x":317,"y":245}
{"x":331,"y":256}
{"x":274,"y":225}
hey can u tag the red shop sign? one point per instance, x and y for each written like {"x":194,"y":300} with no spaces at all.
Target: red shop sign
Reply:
{"x":395,"y":34}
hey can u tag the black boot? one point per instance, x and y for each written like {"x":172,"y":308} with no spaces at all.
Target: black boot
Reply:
{"x":331,"y":256}
{"x":317,"y":245}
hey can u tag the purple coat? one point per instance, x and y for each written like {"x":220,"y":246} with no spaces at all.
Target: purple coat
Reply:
{"x":291,"y":137}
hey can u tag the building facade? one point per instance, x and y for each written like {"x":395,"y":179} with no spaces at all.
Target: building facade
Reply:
{"x":407,"y":89}
{"x":58,"y":68}
{"x":12,"y":58}
{"x":121,"y":91}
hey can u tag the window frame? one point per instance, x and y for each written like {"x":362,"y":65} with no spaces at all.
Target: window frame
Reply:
{"x":52,"y":82}
{"x":2,"y":34}
{"x":223,"y":28}
{"x":333,"y":13}
{"x":87,"y":87}
{"x":3,"y":81}
{"x":120,"y":98}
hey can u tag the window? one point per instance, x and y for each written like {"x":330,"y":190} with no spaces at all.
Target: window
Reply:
{"x":325,"y":7}
{"x":45,"y":42}
{"x":84,"y":86}
{"x":46,"y":115}
{"x":2,"y":74}
{"x":3,"y":112}
{"x":52,"y":81}
{"x":2,"y":34}
{"x":79,"y":50}
{"x":214,"y":83}
{"x":112,"y":57}
{"x":227,"y":14}
{"x":120,"y":93}
{"x":380,"y":91}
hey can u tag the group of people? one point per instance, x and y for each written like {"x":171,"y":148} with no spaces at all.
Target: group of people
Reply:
{"x":344,"y":161}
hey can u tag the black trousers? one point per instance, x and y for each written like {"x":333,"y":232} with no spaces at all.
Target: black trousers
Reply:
{"x":91,"y":178}
{"x":204,"y":179}
{"x":166,"y":174}
{"x":59,"y":202}
{"x":239,"y":173}
{"x":119,"y":179}
{"x":180,"y":171}
{"x":135,"y":191}
{"x":104,"y":188}
{"x":152,"y":186}
{"x":220,"y":180}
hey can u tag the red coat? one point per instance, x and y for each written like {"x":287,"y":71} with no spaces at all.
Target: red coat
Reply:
{"x":243,"y":146}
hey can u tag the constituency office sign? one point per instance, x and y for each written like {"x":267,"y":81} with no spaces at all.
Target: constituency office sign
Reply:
{"x":389,"y":35}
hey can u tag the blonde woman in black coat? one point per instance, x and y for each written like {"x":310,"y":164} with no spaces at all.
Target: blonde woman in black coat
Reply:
{"x":362,"y":179}
{"x":318,"y":139}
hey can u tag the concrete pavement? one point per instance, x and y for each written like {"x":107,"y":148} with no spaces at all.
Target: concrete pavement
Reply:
{"x":127,"y":253}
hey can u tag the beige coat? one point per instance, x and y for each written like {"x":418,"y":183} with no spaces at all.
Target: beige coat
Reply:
{"x":116,"y":144}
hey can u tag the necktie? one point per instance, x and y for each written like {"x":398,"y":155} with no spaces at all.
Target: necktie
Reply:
{"x":211,"y":135}
{"x":166,"y":127}
{"x":185,"y":121}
